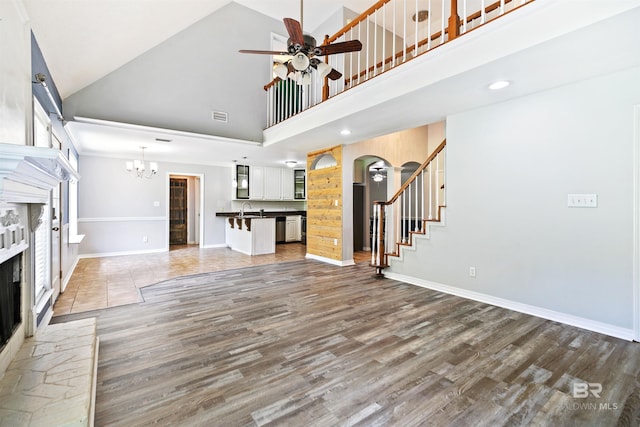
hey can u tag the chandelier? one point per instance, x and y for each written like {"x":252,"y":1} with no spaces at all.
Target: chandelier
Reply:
{"x":138,"y":166}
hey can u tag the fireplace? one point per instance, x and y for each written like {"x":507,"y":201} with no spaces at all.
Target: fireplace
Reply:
{"x":10,"y":296}
{"x":27,"y":176}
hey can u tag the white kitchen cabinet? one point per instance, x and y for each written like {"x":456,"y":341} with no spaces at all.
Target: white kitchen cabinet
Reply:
{"x":287,"y":184}
{"x":272,"y":184}
{"x":267,"y":183}
{"x":256,"y":182}
{"x":293,"y":228}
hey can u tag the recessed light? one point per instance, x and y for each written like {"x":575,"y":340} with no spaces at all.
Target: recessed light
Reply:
{"x":345,"y":132}
{"x":500,"y":84}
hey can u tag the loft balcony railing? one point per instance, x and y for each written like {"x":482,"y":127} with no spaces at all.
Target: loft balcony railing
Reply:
{"x":392,"y":33}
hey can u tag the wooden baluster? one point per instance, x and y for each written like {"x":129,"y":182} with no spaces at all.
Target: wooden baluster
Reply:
{"x":454,"y":21}
{"x":325,"y":86}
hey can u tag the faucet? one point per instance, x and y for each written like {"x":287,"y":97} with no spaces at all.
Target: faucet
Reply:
{"x":242,"y":208}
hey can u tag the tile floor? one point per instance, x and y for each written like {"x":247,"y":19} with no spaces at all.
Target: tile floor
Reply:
{"x":111,"y":281}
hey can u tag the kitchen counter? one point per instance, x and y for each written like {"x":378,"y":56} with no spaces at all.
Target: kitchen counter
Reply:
{"x":267,"y":214}
{"x":250,"y":234}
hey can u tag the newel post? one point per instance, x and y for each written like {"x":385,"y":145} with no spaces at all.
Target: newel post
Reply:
{"x":325,"y":86}
{"x":379,"y":261}
{"x":454,"y":21}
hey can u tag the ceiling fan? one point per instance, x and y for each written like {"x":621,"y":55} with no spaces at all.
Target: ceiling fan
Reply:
{"x":303,"y":52}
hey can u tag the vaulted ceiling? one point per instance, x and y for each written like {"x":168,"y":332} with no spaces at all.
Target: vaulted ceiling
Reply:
{"x":84,"y":40}
{"x":167,"y":64}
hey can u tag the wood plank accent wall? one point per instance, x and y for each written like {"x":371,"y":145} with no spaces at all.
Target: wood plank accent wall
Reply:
{"x":324,"y":218}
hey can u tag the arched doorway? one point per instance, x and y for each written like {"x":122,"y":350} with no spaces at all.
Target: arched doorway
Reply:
{"x":370,"y":183}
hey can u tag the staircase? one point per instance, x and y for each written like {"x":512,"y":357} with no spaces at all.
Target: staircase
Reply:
{"x":418,"y":202}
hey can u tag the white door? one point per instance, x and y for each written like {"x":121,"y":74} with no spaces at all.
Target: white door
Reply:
{"x":56,"y":268}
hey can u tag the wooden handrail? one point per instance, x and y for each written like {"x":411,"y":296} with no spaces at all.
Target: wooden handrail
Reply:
{"x":398,"y":54}
{"x":271,"y":83}
{"x":364,"y":15}
{"x":418,"y":171}
{"x":425,"y":41}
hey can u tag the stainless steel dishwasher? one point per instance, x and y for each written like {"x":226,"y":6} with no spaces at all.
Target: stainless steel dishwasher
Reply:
{"x":281,"y":229}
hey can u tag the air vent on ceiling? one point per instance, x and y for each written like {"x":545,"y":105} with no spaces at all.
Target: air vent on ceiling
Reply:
{"x":220,"y":116}
{"x":162,"y":140}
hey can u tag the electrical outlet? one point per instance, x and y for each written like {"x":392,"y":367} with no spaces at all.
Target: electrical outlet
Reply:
{"x":472,"y":272}
{"x":335,"y":242}
{"x":145,"y":239}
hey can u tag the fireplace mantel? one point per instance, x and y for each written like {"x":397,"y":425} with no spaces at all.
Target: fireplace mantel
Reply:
{"x":28,"y":173}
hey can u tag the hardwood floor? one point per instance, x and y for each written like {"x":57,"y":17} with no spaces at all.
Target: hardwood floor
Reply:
{"x":113,"y":281}
{"x":304,"y":343}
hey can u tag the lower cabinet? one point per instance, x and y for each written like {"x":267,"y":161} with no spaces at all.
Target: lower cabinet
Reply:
{"x":293,"y":229}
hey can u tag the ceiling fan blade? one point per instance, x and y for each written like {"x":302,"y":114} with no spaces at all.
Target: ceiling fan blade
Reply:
{"x":334,"y":74}
{"x":264,"y":52}
{"x":295,"y":31}
{"x":341,"y":47}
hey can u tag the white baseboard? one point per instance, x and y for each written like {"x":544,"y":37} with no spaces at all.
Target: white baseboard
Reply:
{"x":66,"y":279}
{"x":568,"y":319}
{"x":109,"y":254}
{"x":343,"y":263}
{"x":219,"y":245}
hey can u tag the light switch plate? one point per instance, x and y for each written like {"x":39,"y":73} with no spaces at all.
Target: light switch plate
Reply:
{"x":582,"y":200}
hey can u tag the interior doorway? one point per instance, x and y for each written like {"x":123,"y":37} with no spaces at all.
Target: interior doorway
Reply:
{"x":184,"y":209}
{"x":369,"y":185}
{"x":178,"y":200}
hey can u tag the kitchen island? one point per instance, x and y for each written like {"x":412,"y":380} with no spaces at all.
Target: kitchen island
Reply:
{"x":251,"y":235}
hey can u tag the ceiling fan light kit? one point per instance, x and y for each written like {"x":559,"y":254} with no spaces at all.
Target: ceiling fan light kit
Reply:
{"x":323,"y":69}
{"x":300,"y":61}
{"x":302,"y":50}
{"x":280,"y":70}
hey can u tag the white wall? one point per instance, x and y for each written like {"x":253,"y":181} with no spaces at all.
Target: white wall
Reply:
{"x":117,"y":209}
{"x":15,"y":70}
{"x":509,"y":169}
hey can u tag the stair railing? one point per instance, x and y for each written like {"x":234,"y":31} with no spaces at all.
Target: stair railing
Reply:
{"x":392,"y":32}
{"x":418,"y":201}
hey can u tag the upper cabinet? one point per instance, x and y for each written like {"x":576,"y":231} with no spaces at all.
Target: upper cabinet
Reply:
{"x":256,"y":188}
{"x":242,"y":182}
{"x":267,"y":183}
{"x":272,"y":184}
{"x":287,"y":184}
{"x":300,"y":184}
